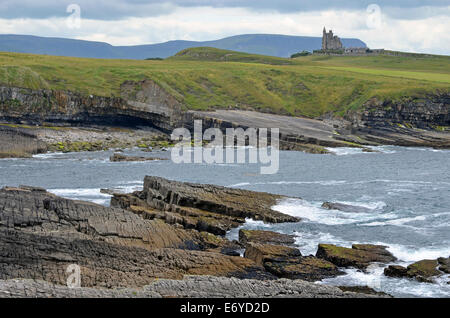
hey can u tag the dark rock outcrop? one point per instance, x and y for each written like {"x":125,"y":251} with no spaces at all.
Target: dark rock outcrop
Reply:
{"x":359,"y":256}
{"x":208,"y":208}
{"x":444,"y":264}
{"x":396,"y":271}
{"x":423,"y":271}
{"x":284,"y":261}
{"x":345,"y":207}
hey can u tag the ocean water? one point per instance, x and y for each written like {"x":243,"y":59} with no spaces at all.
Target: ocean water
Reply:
{"x":407,"y":192}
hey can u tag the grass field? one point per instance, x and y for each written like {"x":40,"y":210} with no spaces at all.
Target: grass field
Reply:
{"x":205,"y":78}
{"x":424,"y":76}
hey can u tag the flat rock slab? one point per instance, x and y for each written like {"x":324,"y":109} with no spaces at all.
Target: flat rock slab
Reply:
{"x":359,"y":256}
{"x":190,"y":287}
{"x":262,"y":253}
{"x":265,"y":237}
{"x":307,"y":128}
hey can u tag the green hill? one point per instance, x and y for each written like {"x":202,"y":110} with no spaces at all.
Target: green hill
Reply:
{"x":206,"y":78}
{"x":218,"y":55}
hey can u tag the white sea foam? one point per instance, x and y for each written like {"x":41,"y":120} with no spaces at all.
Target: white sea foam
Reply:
{"x":308,"y":241}
{"x":104,"y":202}
{"x":383,"y":149}
{"x":78,"y":193}
{"x":344,"y":151}
{"x":397,"y":222}
{"x":313,"y":212}
{"x":320,"y":182}
{"x":399,"y":287}
{"x":48,"y":155}
{"x":89,"y":195}
{"x":252,"y":223}
{"x":233,"y":234}
{"x":375,"y":205}
{"x":237,"y":185}
{"x":413,"y":254}
{"x":137,"y":182}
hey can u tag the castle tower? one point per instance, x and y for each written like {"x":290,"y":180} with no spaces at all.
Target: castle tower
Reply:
{"x":330,"y":41}
{"x":324,"y":39}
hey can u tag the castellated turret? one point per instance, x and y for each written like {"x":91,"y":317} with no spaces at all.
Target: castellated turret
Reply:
{"x":330,"y":41}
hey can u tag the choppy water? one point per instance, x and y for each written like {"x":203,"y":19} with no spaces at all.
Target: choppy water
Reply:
{"x":406,"y":189}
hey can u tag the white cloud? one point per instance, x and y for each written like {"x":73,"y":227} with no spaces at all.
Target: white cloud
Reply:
{"x":206,"y":23}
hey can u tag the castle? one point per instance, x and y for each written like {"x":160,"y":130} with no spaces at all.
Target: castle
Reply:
{"x":332,"y":44}
{"x":330,"y":41}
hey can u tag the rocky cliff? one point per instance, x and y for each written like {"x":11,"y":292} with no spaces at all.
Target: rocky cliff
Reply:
{"x":141,"y":103}
{"x":16,"y":142}
{"x":406,"y":121}
{"x":432,"y":111}
{"x":409,"y":121}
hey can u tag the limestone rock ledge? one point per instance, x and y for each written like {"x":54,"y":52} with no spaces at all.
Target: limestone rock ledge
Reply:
{"x":202,"y":207}
{"x":41,"y":234}
{"x":190,"y":287}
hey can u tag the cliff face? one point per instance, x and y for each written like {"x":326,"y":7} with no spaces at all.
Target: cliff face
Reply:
{"x":430,"y":112}
{"x":15,"y":142}
{"x":146,"y":103}
{"x":142,"y":103}
{"x":422,"y":122}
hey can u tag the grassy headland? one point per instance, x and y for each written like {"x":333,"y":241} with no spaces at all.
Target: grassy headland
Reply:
{"x":207,"y":78}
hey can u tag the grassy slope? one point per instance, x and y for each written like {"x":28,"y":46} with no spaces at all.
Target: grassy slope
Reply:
{"x":205,"y":78}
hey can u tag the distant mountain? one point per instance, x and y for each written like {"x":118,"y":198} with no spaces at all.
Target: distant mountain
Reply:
{"x":265,"y":44}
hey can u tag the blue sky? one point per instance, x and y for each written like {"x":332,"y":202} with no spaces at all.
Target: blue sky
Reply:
{"x":408,"y":25}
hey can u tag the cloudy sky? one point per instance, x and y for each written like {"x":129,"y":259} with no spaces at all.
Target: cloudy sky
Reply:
{"x":407,"y":25}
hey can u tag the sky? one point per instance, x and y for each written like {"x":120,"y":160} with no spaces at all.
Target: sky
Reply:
{"x":405,"y":25}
